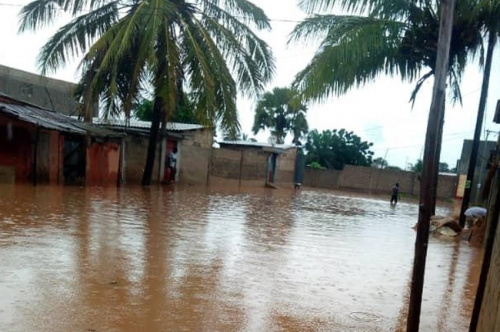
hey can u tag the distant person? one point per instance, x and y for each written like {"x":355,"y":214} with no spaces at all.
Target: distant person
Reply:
{"x":395,"y":194}
{"x":473,"y":214}
{"x":172,"y":164}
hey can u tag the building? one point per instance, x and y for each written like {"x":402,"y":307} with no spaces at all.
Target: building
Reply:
{"x":42,"y":91}
{"x":485,"y":150}
{"x":253,"y":164}
{"x":42,"y":146}
{"x":193,"y":142}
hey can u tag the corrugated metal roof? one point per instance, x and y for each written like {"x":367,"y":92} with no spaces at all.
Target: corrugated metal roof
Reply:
{"x":40,"y":117}
{"x":51,"y":120}
{"x":171,"y":126}
{"x":257,"y":144}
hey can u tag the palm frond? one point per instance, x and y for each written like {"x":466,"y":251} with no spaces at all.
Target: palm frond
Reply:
{"x":419,"y":84}
{"x":74,"y":38}
{"x":210,"y":80}
{"x":246,"y":12}
{"x":355,"y":51}
{"x":250,"y":56}
{"x":38,"y":14}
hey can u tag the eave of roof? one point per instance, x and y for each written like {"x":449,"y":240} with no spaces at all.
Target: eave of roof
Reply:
{"x":48,"y":119}
{"x":257,"y":144}
{"x":137,"y":124}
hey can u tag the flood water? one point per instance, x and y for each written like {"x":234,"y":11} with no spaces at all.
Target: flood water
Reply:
{"x":201,"y":259}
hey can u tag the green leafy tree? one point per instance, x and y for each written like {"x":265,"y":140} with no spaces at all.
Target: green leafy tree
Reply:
{"x":315,"y":165}
{"x":380,"y":163}
{"x":204,"y":47}
{"x":184,"y":114}
{"x":335,"y":148}
{"x":418,"y":166}
{"x":144,"y":110}
{"x":282,"y":112}
{"x":443,"y":167}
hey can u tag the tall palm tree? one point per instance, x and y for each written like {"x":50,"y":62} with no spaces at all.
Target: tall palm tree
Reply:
{"x":281,"y":111}
{"x":203,"y":47}
{"x":488,"y":12}
{"x":399,"y":40}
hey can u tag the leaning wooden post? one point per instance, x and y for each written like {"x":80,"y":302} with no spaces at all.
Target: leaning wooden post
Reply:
{"x":430,"y":164}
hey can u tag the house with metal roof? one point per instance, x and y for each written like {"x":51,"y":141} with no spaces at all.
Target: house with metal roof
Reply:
{"x":193,"y":142}
{"x":42,"y":146}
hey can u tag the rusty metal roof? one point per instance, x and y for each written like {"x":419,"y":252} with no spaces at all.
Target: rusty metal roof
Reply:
{"x":121,"y":123}
{"x":49,"y":119}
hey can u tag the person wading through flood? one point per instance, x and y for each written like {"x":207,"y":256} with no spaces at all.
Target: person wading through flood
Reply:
{"x":172,"y":164}
{"x":395,"y":194}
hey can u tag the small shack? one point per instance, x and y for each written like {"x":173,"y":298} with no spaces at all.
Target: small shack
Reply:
{"x":193,"y":142}
{"x":253,"y":164}
{"x":42,"y":146}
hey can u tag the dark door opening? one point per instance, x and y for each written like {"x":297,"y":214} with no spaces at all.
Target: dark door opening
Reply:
{"x":74,"y":160}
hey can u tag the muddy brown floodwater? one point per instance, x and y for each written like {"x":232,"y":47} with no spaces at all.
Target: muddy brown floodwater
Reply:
{"x":201,"y":259}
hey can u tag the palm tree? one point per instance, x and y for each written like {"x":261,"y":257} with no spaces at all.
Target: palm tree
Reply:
{"x":281,"y":111}
{"x":395,"y":38}
{"x":399,"y":40}
{"x":488,"y":12}
{"x":202,"y":47}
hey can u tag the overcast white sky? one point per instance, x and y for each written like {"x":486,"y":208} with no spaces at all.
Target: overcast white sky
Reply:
{"x":378,"y":112}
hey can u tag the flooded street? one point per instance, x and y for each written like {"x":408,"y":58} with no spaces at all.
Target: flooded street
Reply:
{"x":198,"y":259}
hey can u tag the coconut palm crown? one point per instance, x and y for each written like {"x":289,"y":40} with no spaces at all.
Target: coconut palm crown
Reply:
{"x":204,"y":47}
{"x":393,"y":37}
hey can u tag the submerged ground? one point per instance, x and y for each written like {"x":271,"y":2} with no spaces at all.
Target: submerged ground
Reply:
{"x":201,"y":259}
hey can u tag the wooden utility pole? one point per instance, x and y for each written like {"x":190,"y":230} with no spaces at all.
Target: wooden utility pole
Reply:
{"x":430,"y":164}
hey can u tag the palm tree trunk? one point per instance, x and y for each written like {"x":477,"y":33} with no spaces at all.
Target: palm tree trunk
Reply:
{"x":430,"y":163}
{"x":153,"y":139}
{"x":479,"y":124}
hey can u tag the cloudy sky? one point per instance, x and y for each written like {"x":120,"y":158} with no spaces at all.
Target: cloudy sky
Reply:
{"x":378,"y":112}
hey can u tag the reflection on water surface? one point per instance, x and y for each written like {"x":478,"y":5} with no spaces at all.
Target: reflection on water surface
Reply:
{"x":197,"y":259}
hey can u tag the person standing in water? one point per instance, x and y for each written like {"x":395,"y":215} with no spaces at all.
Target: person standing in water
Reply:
{"x":395,"y":194}
{"x":172,"y":164}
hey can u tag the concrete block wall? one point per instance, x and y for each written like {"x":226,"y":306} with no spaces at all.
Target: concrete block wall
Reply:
{"x":322,"y":178}
{"x":202,"y":138}
{"x":52,"y":94}
{"x":447,"y":186}
{"x":195,"y":163}
{"x":376,"y":181}
{"x":254,"y":165}
{"x":226,"y":163}
{"x":286,"y":166}
{"x":245,"y":167}
{"x":136,"y":148}
{"x":382,"y":180}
